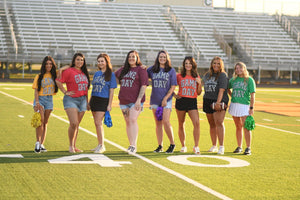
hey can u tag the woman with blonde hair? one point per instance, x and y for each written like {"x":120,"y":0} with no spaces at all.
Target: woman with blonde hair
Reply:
{"x":215,"y":101}
{"x":242,"y":102}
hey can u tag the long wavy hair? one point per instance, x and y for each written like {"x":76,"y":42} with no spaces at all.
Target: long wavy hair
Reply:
{"x":126,"y":68}
{"x":156,"y":66}
{"x":245,"y":71}
{"x":194,"y":72}
{"x":108,"y":72}
{"x":83,"y":68}
{"x":43,"y":71}
{"x":211,"y":69}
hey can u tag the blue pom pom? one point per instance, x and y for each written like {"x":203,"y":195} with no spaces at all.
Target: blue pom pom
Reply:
{"x":107,"y":119}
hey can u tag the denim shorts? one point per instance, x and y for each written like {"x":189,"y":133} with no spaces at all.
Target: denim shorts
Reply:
{"x":169,"y":105}
{"x":46,"y":102}
{"x":130,"y":105}
{"x":75,"y":102}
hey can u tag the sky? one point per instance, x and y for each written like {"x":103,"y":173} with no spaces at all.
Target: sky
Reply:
{"x":288,"y":7}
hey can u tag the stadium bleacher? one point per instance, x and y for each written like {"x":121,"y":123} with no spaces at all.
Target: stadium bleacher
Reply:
{"x":60,"y":28}
{"x":93,"y":28}
{"x":270,"y":43}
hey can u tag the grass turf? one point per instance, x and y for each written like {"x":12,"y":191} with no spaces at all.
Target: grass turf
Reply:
{"x":273,"y":172}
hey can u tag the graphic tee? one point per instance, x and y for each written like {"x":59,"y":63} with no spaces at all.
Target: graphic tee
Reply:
{"x":241,"y":90}
{"x":76,"y":81}
{"x":100,"y":86}
{"x":161,"y":84}
{"x":187,"y":86}
{"x":131,"y":84}
{"x":47,"y":85}
{"x":212,"y":86}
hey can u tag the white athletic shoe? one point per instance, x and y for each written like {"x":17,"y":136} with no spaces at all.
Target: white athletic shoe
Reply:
{"x":183,"y":150}
{"x":213,"y":149}
{"x":100,"y":149}
{"x":196,"y":150}
{"x":221,"y":150}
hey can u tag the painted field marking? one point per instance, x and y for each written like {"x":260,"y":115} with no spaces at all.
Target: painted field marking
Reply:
{"x":13,"y":88}
{"x":170,"y":171}
{"x":268,"y":120}
{"x":11,"y":156}
{"x":99,"y":159}
{"x":183,"y":160}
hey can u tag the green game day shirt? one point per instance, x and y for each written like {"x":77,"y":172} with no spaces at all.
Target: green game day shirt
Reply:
{"x":241,"y":90}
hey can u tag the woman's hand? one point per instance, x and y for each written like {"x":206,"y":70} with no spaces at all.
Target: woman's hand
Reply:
{"x":69,"y":93}
{"x":177,"y":96}
{"x":164,"y":102}
{"x":137,"y":105}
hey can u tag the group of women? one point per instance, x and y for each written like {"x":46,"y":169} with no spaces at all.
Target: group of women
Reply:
{"x":133,"y":78}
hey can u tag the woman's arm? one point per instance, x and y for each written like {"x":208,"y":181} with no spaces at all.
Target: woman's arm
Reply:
{"x":165,"y":99}
{"x":140,"y":96}
{"x":36,"y":97}
{"x":252,"y":102}
{"x":220,"y":96}
{"x":199,"y":86}
{"x":61,"y":87}
{"x":111,"y":96}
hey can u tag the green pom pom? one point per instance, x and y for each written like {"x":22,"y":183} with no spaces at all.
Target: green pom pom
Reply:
{"x":249,"y":123}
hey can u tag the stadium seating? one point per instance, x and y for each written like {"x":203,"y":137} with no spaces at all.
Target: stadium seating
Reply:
{"x":45,"y":26}
{"x":3,"y":45}
{"x":270,"y":43}
{"x":60,"y":28}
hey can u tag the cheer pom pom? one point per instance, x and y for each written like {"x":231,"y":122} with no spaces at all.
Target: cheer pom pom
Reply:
{"x":107,"y":119}
{"x":249,"y":123}
{"x":36,"y":120}
{"x":159,"y":113}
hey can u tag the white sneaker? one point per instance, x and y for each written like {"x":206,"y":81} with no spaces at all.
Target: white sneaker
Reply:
{"x":183,"y":150}
{"x":221,"y":150}
{"x":131,"y":150}
{"x":196,"y":150}
{"x":100,"y":149}
{"x":42,"y":148}
{"x":213,"y":149}
{"x":37,"y":147}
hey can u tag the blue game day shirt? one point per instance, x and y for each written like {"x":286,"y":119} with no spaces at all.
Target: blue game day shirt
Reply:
{"x":100,"y":86}
{"x":161,"y":83}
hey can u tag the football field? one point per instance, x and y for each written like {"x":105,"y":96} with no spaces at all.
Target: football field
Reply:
{"x":271,"y":172}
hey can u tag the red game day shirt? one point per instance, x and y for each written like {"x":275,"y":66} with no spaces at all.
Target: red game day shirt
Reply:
{"x":187,"y":86}
{"x":76,"y":81}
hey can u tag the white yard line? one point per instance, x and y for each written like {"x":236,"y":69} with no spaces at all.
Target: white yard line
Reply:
{"x":170,"y":171}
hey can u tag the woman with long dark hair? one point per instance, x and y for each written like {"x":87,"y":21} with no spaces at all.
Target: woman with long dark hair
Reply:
{"x":164,"y":81}
{"x":133,"y":81}
{"x":75,"y":96}
{"x":44,"y":88}
{"x":104,"y":83}
{"x":189,"y":83}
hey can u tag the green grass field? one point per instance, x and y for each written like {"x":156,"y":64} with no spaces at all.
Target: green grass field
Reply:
{"x":273,"y":173}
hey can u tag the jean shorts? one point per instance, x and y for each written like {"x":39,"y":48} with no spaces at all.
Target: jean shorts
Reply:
{"x":169,"y":105}
{"x":75,"y":102}
{"x":46,"y":102}
{"x":130,"y":105}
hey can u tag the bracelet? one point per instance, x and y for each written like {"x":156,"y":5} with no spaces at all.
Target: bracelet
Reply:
{"x":251,"y":107}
